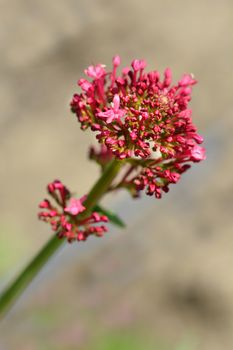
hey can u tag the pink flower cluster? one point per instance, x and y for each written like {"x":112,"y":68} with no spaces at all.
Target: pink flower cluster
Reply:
{"x":137,"y":113}
{"x":141,"y":116}
{"x":157,"y":179}
{"x":63,"y":217}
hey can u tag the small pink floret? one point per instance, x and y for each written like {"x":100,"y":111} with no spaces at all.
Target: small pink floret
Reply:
{"x":198,"y":153}
{"x":187,"y":79}
{"x":114,"y":113}
{"x":95,"y":72}
{"x":75,"y":207}
{"x":138,"y":64}
{"x":84,"y":84}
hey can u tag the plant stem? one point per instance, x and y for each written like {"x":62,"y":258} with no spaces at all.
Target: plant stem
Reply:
{"x":15,"y":289}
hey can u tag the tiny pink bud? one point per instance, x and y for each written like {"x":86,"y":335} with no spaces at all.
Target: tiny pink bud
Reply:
{"x":198,"y":138}
{"x":44,"y":204}
{"x":116,"y":61}
{"x":136,"y":65}
{"x":167,"y":77}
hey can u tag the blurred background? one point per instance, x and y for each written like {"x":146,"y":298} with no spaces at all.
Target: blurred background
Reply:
{"x":166,"y":282}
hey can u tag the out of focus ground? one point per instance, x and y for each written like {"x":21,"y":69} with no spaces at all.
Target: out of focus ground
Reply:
{"x":168,"y":278}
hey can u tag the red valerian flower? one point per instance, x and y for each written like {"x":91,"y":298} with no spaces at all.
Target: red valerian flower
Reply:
{"x":63,"y":217}
{"x":140,"y":116}
{"x":136,"y":112}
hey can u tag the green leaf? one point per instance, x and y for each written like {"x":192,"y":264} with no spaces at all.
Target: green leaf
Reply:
{"x":113,"y":218}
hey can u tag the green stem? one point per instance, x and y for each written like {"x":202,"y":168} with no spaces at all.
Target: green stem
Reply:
{"x":15,"y":289}
{"x":102,"y":185}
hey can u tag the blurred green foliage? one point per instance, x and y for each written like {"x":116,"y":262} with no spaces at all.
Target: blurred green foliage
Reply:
{"x":129,"y":341}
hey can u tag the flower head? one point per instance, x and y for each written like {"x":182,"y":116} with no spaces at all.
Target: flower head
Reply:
{"x":138,"y":115}
{"x":136,"y":112}
{"x":63,"y":217}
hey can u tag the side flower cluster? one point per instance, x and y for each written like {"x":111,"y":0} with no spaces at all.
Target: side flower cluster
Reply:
{"x":139,"y":115}
{"x":63,"y":215}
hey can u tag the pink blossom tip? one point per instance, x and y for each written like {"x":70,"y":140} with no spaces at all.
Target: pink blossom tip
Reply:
{"x":75,"y":207}
{"x":116,"y":61}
